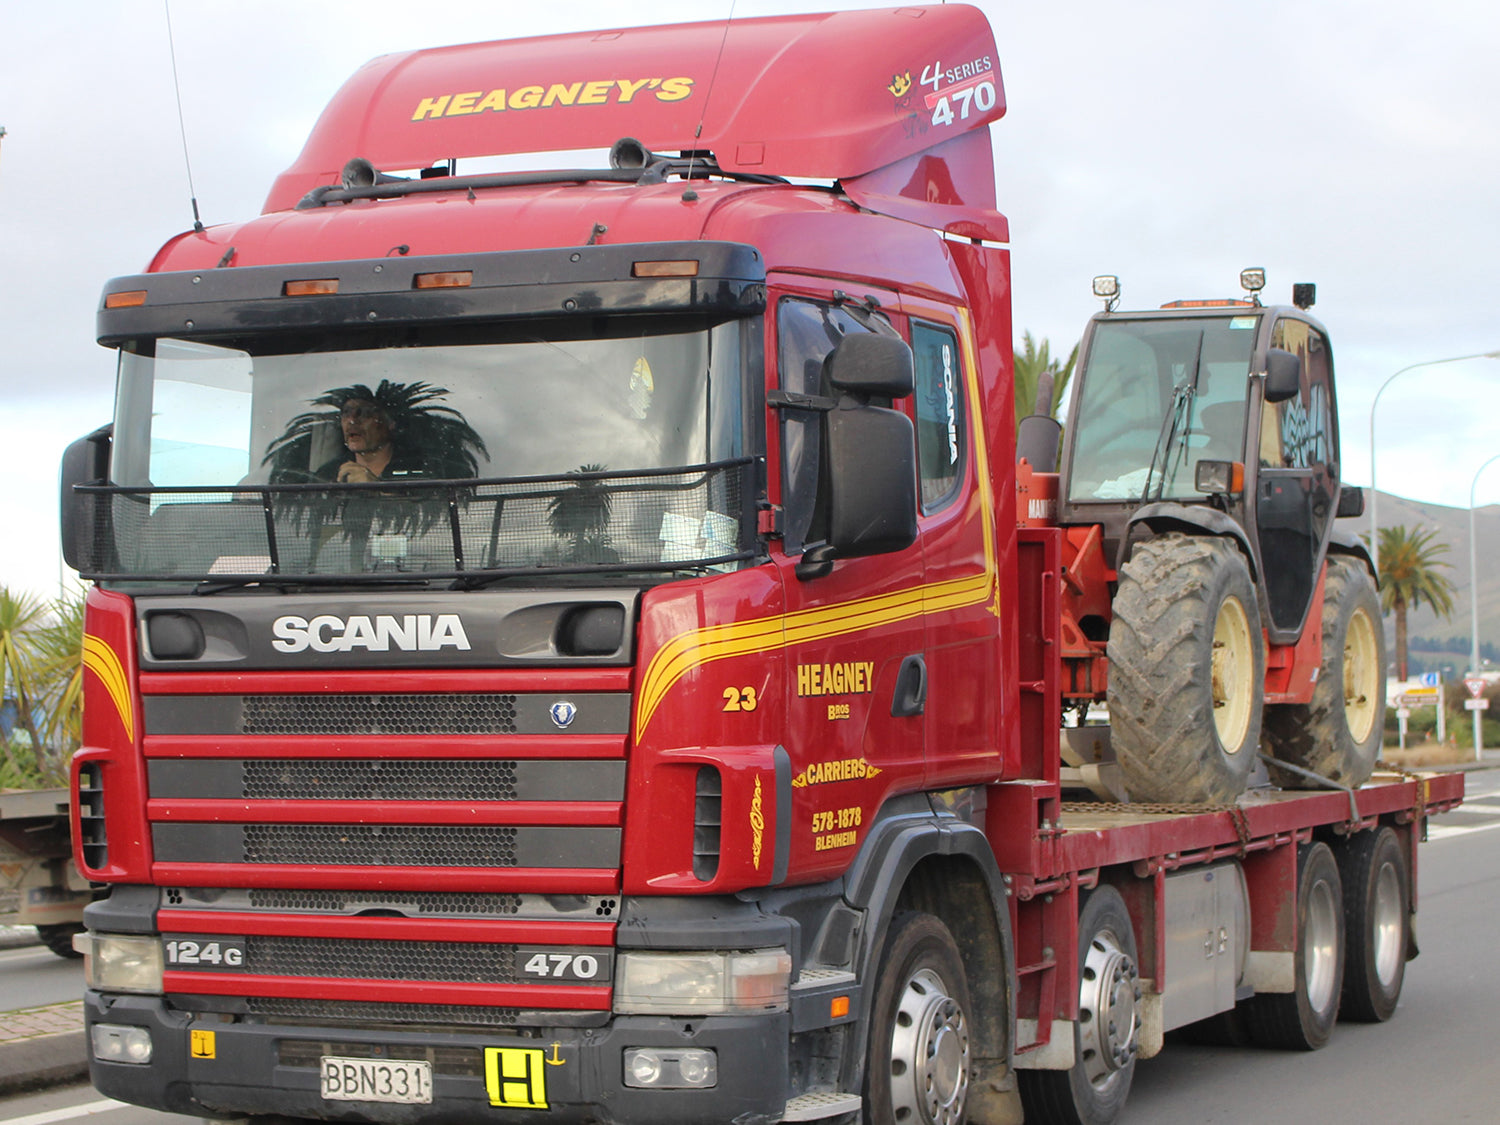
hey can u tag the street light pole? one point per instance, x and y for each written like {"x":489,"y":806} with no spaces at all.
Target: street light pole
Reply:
{"x":1375,"y":492}
{"x":1474,"y":608}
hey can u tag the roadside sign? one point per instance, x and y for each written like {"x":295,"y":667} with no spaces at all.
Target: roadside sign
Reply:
{"x":1476,"y":704}
{"x":1475,"y":685}
{"x":1417,"y":697}
{"x":1431,"y":679}
{"x":1402,"y":713}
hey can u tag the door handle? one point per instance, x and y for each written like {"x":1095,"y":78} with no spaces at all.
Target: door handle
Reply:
{"x":911,"y":688}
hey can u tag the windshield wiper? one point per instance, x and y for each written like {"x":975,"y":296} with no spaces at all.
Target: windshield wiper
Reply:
{"x":1172,"y":426}
{"x":281,"y":583}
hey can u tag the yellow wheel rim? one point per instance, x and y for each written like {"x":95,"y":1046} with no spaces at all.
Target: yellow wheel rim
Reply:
{"x":1233,"y":675}
{"x":1361,"y":674}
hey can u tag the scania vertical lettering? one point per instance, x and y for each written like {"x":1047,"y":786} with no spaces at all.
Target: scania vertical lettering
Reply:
{"x":563,"y":646}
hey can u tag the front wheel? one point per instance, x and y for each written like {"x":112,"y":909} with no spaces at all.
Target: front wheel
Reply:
{"x":1106,"y":1034}
{"x":1302,"y":1020}
{"x":917,"y":1068}
{"x":1187,"y":670}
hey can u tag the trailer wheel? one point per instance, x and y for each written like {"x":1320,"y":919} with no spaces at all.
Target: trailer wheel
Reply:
{"x":1187,"y":670}
{"x":1302,"y":1020}
{"x":59,"y":938}
{"x":1372,"y":867}
{"x":1107,"y":1032}
{"x":917,"y":1068}
{"x":1338,"y":734}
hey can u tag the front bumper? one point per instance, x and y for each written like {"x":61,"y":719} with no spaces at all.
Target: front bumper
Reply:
{"x":203,"y":1065}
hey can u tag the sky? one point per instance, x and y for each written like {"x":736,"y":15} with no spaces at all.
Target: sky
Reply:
{"x":1352,"y":144}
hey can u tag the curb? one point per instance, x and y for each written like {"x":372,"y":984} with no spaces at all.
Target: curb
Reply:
{"x":42,"y":1047}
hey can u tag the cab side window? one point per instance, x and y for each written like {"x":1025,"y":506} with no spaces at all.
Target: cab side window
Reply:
{"x":940,"y":417}
{"x":1297,"y":433}
{"x":806,"y":331}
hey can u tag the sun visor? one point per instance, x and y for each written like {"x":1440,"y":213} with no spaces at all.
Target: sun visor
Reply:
{"x":829,"y":96}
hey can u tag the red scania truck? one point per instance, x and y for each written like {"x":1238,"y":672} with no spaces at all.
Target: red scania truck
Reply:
{"x":564,"y":642}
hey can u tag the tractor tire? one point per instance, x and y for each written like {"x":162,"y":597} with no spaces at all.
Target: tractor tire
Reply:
{"x":1338,"y":735}
{"x":919,"y":1060}
{"x":1106,"y":1035}
{"x":1187,"y":671}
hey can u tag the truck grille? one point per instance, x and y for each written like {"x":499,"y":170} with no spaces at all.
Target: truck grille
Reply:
{"x":379,"y":845}
{"x":366,"y":958}
{"x":355,"y":1013}
{"x":436,"y":713}
{"x":388,"y":779}
{"x":406,"y":904}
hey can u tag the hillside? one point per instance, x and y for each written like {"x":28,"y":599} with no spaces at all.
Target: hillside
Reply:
{"x":1452,"y":527}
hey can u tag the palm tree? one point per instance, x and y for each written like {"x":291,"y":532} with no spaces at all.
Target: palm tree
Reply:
{"x":1409,"y":577}
{"x":581,"y":514}
{"x":20,"y":615}
{"x":57,"y":650}
{"x":1031,"y":360}
{"x":41,"y":675}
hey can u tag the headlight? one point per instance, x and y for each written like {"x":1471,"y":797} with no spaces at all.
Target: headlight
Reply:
{"x":120,"y":963}
{"x":118,"y":1043}
{"x":702,"y":982}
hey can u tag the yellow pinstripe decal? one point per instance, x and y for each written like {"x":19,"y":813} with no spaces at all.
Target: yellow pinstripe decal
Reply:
{"x":99,"y":658}
{"x":697,"y":647}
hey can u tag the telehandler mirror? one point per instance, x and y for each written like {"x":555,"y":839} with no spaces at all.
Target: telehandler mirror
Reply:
{"x":1283,"y":375}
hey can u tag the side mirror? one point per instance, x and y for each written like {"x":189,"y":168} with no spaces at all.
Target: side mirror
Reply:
{"x":1283,"y":375}
{"x":85,"y":461}
{"x":867,"y":365}
{"x":1351,"y":502}
{"x":870,"y":455}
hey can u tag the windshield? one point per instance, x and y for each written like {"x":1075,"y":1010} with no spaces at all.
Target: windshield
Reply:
{"x":309,"y":456}
{"x":1137,"y":373}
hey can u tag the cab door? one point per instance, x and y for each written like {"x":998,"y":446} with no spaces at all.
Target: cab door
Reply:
{"x":854,"y":631}
{"x":959,"y":552}
{"x":1297,"y":479}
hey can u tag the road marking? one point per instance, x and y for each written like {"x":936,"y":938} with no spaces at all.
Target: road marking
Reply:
{"x":68,"y":1113}
{"x":1449,"y":831}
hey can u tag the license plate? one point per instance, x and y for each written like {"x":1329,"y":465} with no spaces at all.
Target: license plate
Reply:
{"x":375,"y":1080}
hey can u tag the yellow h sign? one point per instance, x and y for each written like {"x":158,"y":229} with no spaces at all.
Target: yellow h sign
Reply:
{"x":515,"y":1077}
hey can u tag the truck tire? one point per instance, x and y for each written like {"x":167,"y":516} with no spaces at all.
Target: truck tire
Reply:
{"x":1187,"y":670}
{"x":1377,"y":916}
{"x":1338,"y":734}
{"x":919,"y":1058}
{"x":59,"y":938}
{"x":1107,"y":1032}
{"x":1302,"y":1020}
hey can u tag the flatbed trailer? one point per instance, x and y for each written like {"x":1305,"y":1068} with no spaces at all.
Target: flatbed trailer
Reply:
{"x":1138,"y":847}
{"x":39,"y":884}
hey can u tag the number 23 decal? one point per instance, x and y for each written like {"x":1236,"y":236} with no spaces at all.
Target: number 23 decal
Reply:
{"x":740,"y":699}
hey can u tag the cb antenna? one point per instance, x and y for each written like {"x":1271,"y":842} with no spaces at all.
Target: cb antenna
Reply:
{"x":181,"y":124}
{"x":707,"y":94}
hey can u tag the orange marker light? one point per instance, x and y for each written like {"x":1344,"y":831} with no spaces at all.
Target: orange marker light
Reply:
{"x":687,"y":268}
{"x":130,"y":299}
{"x":314,"y":287}
{"x":1209,"y":305}
{"x":453,"y":279}
{"x":838,"y":1007}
